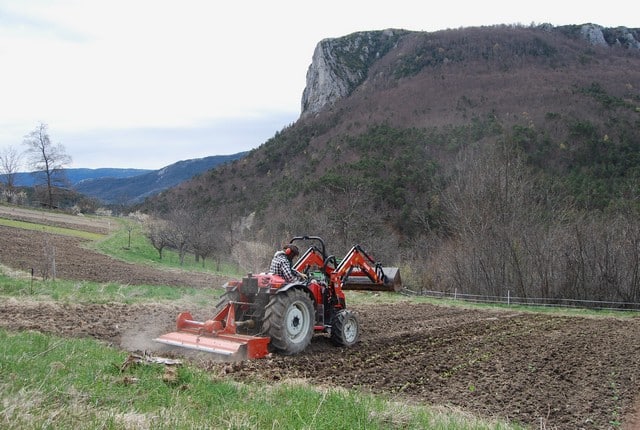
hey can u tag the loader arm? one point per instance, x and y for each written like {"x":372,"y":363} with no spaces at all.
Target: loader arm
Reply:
{"x":315,"y":257}
{"x":358,"y":263}
{"x":358,"y":271}
{"x":312,"y":259}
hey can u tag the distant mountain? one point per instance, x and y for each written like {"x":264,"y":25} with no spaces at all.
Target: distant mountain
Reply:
{"x":28,"y":179}
{"x":129,"y":186}
{"x":129,"y":189}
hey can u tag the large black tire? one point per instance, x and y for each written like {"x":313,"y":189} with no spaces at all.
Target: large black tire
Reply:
{"x":229,"y":296}
{"x":233,"y":296}
{"x":289,"y":319}
{"x":345,"y":329}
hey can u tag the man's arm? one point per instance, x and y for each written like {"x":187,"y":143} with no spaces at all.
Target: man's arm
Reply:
{"x":287,"y":273}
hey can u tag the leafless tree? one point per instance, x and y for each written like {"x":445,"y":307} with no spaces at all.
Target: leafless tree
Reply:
{"x":226,"y":227}
{"x":10,"y":161}
{"x":179,"y":231}
{"x":204,"y":234}
{"x":349,"y":220}
{"x":252,"y":256}
{"x":46,"y":158}
{"x":494,"y":217}
{"x":602,"y":258}
{"x":155,"y":230}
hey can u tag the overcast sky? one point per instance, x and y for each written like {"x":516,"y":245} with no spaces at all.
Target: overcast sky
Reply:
{"x":146,"y":83}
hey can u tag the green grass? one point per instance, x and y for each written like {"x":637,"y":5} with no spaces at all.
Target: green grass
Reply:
{"x":130,"y":244}
{"x":368,"y":298}
{"x":93,"y":292}
{"x":50,"y":229}
{"x":50,"y":382}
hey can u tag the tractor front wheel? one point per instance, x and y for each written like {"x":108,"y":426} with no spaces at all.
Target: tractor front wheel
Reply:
{"x":289,"y":321}
{"x":345,"y":329}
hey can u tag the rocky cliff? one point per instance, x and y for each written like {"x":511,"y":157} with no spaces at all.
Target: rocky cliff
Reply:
{"x":619,"y":36}
{"x":340,"y":65}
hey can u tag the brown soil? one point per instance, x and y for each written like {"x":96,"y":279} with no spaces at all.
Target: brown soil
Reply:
{"x":544,"y":371}
{"x":26,"y":250}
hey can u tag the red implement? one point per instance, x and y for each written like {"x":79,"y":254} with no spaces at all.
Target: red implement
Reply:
{"x":218,"y":336}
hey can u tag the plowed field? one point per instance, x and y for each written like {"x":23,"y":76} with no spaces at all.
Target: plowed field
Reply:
{"x":544,"y":371}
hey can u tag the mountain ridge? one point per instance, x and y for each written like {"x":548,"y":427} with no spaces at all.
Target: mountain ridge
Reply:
{"x":134,"y":189}
{"x":341,"y":64}
{"x":76,"y":175}
{"x":128,"y":186}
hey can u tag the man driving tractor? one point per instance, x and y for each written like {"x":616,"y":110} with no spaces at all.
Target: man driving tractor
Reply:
{"x":282,"y":262}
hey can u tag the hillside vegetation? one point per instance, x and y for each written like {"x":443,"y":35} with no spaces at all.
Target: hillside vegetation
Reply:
{"x":485,"y":160}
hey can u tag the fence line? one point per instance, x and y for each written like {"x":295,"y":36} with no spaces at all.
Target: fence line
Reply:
{"x":528,"y":301}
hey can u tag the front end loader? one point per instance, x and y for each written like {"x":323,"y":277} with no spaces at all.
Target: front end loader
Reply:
{"x":261,"y":313}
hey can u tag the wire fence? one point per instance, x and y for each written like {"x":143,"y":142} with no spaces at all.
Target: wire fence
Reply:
{"x":528,"y":301}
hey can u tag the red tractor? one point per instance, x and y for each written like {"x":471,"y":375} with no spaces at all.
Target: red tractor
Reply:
{"x":263,"y":313}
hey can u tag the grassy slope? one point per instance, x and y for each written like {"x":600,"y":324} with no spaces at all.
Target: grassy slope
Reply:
{"x":128,"y":243}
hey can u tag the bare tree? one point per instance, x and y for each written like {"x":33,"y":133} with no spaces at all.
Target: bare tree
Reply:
{"x":203,"y":237}
{"x":156,"y":231}
{"x":10,"y":160}
{"x":46,"y":158}
{"x":494,"y":217}
{"x":179,"y":233}
{"x":252,"y":256}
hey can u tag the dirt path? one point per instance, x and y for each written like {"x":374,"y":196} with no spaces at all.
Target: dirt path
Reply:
{"x":549,"y":372}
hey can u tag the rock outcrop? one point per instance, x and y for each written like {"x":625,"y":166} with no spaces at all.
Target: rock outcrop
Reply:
{"x":339,"y":65}
{"x":593,"y":35}
{"x":619,"y":36}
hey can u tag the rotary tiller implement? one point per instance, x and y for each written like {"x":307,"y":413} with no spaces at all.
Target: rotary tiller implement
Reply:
{"x":218,"y":336}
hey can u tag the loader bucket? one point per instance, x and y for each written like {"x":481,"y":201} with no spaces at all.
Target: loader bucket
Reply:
{"x":392,"y":281}
{"x":216,"y":337}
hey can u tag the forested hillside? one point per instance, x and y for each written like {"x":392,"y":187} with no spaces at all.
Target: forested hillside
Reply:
{"x":483,"y":159}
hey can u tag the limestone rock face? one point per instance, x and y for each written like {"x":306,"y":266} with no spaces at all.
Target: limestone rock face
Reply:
{"x":618,"y":36}
{"x":593,"y":34}
{"x":339,"y":65}
{"x":324,"y":85}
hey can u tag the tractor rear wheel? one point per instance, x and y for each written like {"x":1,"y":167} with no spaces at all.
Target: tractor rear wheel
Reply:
{"x":229,"y":296}
{"x":241,"y":311}
{"x":345,"y":329}
{"x":289,"y":321}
